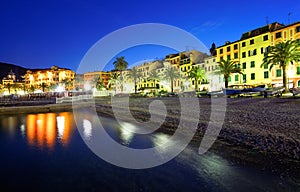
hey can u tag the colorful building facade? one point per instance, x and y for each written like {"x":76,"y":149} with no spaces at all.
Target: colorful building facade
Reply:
{"x":49,"y":79}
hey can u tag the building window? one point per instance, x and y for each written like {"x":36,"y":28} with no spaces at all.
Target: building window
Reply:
{"x":251,"y":41}
{"x":244,"y":78}
{"x":252,"y":76}
{"x":254,"y":52}
{"x":278,"y":73}
{"x":266,"y":37}
{"x":228,"y":57}
{"x":236,"y":78}
{"x":265,"y":66}
{"x":278,"y":35}
{"x":243,"y":54}
{"x":214,"y":60}
{"x":243,"y":44}
{"x":297,"y":29}
{"x":298,"y":70}
{"x":262,"y":50}
{"x":235,"y":47}
{"x":266,"y":74}
{"x":244,"y":65}
{"x":221,"y":58}
{"x":228,"y":48}
{"x":221,"y":51}
{"x":235,"y":55}
{"x":252,"y":64}
{"x":229,"y":79}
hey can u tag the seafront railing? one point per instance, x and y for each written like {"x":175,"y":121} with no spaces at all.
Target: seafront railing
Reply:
{"x":74,"y":98}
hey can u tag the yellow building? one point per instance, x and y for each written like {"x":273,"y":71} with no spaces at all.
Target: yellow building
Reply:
{"x":249,"y":51}
{"x":283,"y":34}
{"x":147,"y":81}
{"x":49,"y":79}
{"x":185,"y":61}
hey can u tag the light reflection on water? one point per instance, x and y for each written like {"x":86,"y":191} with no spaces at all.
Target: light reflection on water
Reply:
{"x":42,"y":130}
{"x":188,"y":171}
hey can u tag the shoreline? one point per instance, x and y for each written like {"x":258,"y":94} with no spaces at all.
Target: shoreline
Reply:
{"x":257,"y":134}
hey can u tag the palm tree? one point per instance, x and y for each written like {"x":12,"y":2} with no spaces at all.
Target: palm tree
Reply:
{"x":8,"y":86}
{"x":97,"y":82}
{"x":68,"y":82}
{"x":282,"y":54}
{"x":136,"y":76}
{"x":113,"y":80}
{"x":44,"y":86}
{"x":52,"y":86}
{"x":120,"y":64}
{"x":171,"y":74}
{"x":197,"y":74}
{"x":32,"y":89}
{"x":227,"y":67}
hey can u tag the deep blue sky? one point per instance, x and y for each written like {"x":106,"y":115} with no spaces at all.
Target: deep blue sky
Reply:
{"x":39,"y":34}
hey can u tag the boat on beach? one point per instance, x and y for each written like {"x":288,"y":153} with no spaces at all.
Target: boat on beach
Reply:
{"x":232,"y":91}
{"x":295,"y":91}
{"x":254,"y":91}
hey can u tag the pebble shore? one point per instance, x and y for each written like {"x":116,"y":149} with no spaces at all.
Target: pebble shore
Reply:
{"x":264,"y":132}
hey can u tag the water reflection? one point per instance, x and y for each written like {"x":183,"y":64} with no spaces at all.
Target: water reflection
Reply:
{"x":41,"y":129}
{"x":127,"y":132}
{"x":10,"y":124}
{"x":87,"y":129}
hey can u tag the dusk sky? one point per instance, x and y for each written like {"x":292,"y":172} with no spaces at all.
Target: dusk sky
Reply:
{"x":39,"y":34}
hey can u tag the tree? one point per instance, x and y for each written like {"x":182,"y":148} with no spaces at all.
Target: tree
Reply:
{"x":97,"y":82}
{"x":113,"y":80}
{"x":8,"y":86}
{"x":171,"y":74}
{"x":120,"y":64}
{"x":227,"y":67}
{"x":282,"y":54}
{"x":44,"y":86}
{"x":197,"y":74}
{"x":52,"y":86}
{"x":31,"y":88}
{"x":68,"y":82}
{"x":136,"y":76}
{"x":99,"y":85}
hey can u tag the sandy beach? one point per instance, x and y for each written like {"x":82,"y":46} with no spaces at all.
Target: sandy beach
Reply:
{"x":257,"y":131}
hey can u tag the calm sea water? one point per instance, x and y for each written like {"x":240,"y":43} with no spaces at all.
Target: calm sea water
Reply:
{"x":44,"y":152}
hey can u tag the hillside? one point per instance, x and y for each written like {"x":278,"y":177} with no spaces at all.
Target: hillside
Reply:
{"x":6,"y":67}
